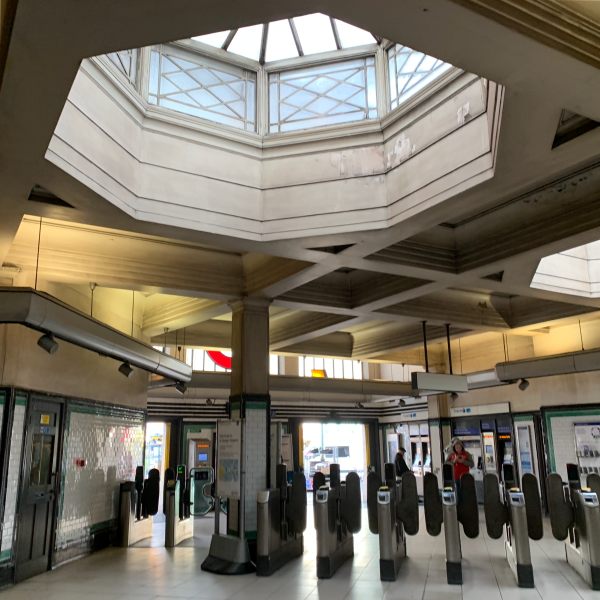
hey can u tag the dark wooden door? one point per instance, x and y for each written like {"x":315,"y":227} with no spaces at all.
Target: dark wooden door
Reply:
{"x":38,"y":491}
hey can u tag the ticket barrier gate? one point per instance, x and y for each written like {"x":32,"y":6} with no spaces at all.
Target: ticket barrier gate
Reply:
{"x":179,"y":524}
{"x":456,"y":504}
{"x":575,"y":518}
{"x":281,"y":517}
{"x":138,"y":504}
{"x":518,"y":513}
{"x":393,"y":509}
{"x":337,"y":517}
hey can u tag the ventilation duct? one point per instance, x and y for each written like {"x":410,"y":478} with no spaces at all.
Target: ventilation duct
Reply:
{"x":559,"y":364}
{"x":46,"y":314}
{"x":484,"y":379}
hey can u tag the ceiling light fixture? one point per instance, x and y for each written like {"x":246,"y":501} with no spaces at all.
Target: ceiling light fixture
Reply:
{"x":125,"y":369}
{"x":523,"y":384}
{"x":48,"y":343}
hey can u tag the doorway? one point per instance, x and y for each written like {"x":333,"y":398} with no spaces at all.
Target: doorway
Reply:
{"x":38,"y":490}
{"x":157,"y":457}
{"x":341,"y":443}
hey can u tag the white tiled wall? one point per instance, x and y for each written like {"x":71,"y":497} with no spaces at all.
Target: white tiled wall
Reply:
{"x":255,"y":442}
{"x":111,"y":444}
{"x":563,"y":438}
{"x":12,"y":486}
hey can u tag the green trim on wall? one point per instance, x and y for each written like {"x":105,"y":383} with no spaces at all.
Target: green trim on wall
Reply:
{"x":20,"y":399}
{"x":550,"y":414}
{"x":256,"y":404}
{"x":103,"y":525}
{"x":5,"y":555}
{"x":522,"y":417}
{"x":250,"y":535}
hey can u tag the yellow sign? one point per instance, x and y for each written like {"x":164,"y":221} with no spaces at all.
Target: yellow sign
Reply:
{"x":44,"y":419}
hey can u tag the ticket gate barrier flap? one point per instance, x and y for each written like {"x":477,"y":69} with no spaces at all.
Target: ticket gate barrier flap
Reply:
{"x":496,"y":512}
{"x":169,"y":476}
{"x":151,"y":493}
{"x":350,"y":503}
{"x":467,"y":506}
{"x":593,"y":482}
{"x":559,"y":506}
{"x":433,"y":505}
{"x":533,"y":506}
{"x":407,"y":506}
{"x":373,"y":485}
{"x":296,"y":515}
{"x":139,"y":487}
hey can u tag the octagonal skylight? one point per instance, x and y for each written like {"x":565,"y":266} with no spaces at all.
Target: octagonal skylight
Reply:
{"x":289,"y":38}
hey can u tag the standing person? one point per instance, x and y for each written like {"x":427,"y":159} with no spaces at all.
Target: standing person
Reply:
{"x":461,"y":460}
{"x":400,"y":462}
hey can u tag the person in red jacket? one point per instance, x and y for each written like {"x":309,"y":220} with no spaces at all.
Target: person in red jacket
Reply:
{"x":461,"y":460}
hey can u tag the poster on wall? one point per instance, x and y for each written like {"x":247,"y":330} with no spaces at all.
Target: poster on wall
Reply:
{"x":525,"y":455}
{"x":587,"y":447}
{"x":229,"y":444}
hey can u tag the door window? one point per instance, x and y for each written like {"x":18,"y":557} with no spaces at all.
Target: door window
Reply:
{"x":42,"y":451}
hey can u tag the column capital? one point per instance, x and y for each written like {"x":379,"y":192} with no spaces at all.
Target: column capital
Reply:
{"x":256,"y":303}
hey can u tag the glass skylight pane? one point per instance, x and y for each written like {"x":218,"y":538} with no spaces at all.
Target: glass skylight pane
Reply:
{"x":246,"y":42}
{"x":411,"y":71}
{"x":315,"y":33}
{"x":351,"y":36}
{"x":322,"y":95}
{"x":213,"y":39}
{"x":222,"y":94}
{"x":280,"y":41}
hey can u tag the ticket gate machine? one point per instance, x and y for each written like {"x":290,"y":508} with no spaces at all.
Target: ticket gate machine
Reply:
{"x":575,"y":518}
{"x":455,"y":504}
{"x":281,"y":521}
{"x":179,"y":525}
{"x":518,"y":513}
{"x":337,"y":517}
{"x":393,"y":509}
{"x":138,"y":504}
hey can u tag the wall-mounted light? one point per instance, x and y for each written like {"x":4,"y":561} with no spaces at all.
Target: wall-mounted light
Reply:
{"x":48,"y":343}
{"x":453,"y":396}
{"x":180,"y":387}
{"x":523,"y":384}
{"x":125,"y":369}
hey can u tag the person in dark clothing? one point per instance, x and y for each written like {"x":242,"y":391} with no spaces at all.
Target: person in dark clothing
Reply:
{"x":401,"y":466}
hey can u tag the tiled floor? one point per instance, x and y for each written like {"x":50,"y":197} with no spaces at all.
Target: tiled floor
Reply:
{"x":156,"y":573}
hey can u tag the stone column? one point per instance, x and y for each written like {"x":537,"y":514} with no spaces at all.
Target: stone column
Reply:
{"x":439,"y":431}
{"x":250,"y":400}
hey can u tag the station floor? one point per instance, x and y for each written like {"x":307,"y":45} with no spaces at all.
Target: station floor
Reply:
{"x":154,"y":573}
